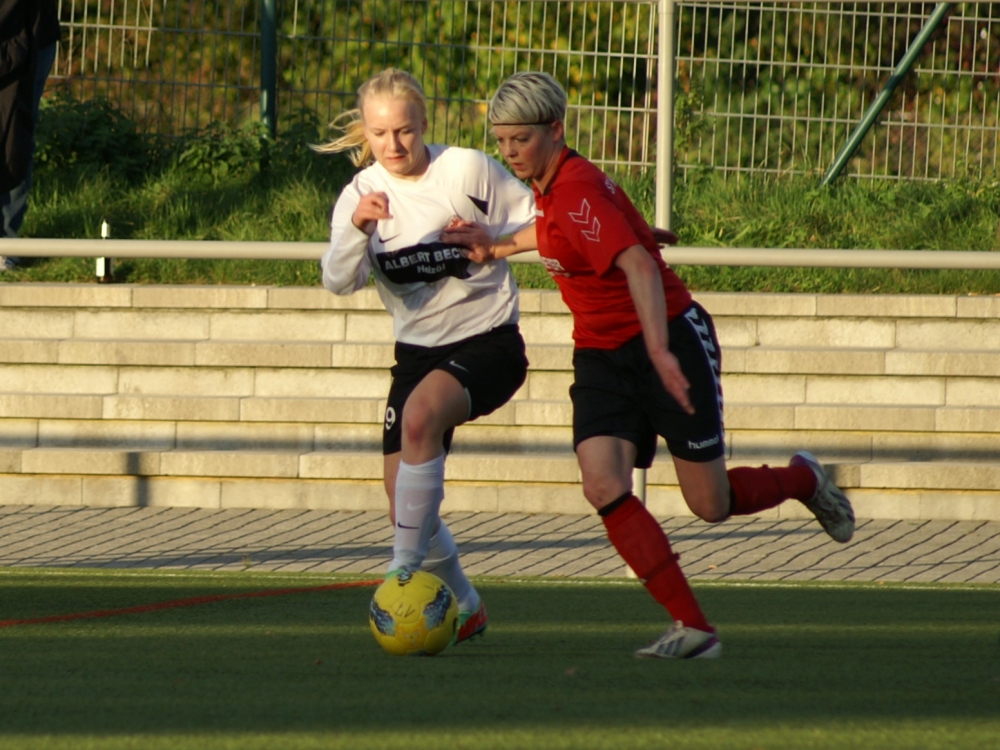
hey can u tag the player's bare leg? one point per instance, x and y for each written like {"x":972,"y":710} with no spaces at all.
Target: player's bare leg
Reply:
{"x":714,"y":493}
{"x":606,"y":468}
{"x":438,"y":403}
{"x":414,"y":480}
{"x":606,"y":465}
{"x":705,"y":487}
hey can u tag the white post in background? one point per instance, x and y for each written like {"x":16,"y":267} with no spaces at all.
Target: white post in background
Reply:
{"x":664,"y":160}
{"x":664,"y":149}
{"x":105,"y":266}
{"x":665,"y":116}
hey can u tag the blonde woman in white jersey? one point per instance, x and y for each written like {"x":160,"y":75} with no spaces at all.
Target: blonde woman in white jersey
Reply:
{"x":459,"y":354}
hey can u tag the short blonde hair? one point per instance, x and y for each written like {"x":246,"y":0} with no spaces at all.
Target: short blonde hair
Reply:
{"x":528,"y":98}
{"x":392,"y":83}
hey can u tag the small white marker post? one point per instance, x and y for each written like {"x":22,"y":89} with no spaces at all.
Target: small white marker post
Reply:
{"x":105,"y":266}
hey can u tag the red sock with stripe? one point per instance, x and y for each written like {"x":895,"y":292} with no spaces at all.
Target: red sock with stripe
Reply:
{"x":642,"y":544}
{"x":753,"y":489}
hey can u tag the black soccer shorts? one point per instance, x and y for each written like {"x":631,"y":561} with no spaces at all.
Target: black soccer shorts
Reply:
{"x":619,"y":393}
{"x":490,"y":366}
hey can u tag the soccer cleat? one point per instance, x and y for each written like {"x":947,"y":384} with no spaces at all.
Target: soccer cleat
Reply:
{"x":471,"y":624}
{"x":830,"y":506}
{"x":683,"y":643}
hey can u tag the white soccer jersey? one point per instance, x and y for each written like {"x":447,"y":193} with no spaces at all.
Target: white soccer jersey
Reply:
{"x":435,"y":295}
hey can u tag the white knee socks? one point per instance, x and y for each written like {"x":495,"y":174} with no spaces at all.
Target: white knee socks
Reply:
{"x":417,"y":545}
{"x":442,"y":560}
{"x":419,"y":492}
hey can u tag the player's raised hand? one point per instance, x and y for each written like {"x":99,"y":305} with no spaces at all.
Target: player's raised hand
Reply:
{"x":473,"y":239}
{"x":371,"y":209}
{"x":673,"y":379}
{"x":458,"y":221}
{"x":664,"y":236}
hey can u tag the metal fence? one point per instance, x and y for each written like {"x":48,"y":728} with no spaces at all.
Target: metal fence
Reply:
{"x":778,"y":87}
{"x":171,"y":66}
{"x":765,"y":87}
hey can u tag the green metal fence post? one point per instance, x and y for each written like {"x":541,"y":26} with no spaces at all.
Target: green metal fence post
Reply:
{"x":940,"y":11}
{"x":269,"y":65}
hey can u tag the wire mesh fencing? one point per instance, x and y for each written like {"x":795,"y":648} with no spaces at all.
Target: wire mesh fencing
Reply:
{"x":778,"y":87}
{"x":177,"y":66}
{"x":603,"y":52}
{"x":169,"y":65}
{"x":762,"y":87}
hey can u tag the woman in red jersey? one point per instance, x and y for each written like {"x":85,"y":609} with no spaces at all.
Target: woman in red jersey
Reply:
{"x":646,"y":360}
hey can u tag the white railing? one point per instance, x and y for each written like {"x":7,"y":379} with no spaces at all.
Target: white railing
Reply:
{"x":678,"y":255}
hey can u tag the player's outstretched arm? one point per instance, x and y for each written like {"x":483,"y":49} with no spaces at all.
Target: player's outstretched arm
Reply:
{"x":646,"y":287}
{"x":482,"y":248}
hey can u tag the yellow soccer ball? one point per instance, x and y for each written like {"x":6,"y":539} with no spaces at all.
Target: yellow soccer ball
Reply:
{"x":413,"y":614}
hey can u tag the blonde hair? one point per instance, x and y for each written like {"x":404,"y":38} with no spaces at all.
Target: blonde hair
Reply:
{"x":392,"y":83}
{"x":528,"y":98}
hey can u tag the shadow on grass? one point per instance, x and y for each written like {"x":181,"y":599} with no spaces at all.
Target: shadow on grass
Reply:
{"x":555,"y":656}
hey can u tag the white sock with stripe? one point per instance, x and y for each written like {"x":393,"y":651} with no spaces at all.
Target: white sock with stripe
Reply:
{"x":442,"y":560}
{"x":419,"y":492}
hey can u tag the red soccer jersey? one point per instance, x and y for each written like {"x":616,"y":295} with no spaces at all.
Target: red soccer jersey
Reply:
{"x":584,"y":220}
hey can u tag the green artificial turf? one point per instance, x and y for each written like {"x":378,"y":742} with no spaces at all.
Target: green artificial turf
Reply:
{"x":804,"y":666}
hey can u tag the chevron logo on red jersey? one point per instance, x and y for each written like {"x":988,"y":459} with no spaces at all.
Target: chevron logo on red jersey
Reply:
{"x":593,"y":231}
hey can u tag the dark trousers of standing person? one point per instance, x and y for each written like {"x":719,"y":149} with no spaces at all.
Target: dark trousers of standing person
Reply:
{"x":14,"y":204}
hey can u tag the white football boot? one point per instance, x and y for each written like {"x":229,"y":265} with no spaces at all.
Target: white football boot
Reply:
{"x":830,"y":506}
{"x":683,"y":643}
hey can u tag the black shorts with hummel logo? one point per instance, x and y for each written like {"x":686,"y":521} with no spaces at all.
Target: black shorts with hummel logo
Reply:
{"x":490,"y":366}
{"x":618,"y":393}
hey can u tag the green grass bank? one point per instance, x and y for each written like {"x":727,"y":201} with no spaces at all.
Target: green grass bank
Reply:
{"x":235,"y":185}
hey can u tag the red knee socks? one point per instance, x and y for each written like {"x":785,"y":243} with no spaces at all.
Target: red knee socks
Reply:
{"x":641,"y":542}
{"x":759,"y":488}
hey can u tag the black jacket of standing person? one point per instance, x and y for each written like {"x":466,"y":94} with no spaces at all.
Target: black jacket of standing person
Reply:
{"x":47,"y":29}
{"x":25,"y":27}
